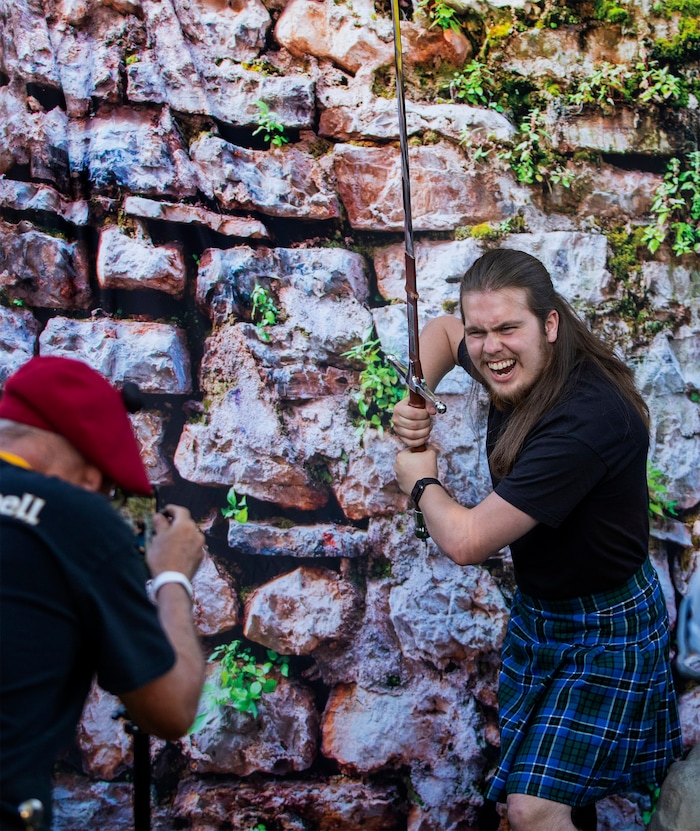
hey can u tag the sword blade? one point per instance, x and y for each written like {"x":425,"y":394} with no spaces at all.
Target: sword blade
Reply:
{"x":414,"y":367}
{"x":415,"y":398}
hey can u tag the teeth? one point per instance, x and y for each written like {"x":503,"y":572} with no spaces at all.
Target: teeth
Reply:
{"x":496,"y":366}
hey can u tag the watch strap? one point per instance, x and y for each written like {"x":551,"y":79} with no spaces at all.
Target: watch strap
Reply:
{"x":152,"y":586}
{"x":420,"y":486}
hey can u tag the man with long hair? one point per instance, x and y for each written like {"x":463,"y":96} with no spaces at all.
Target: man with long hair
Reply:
{"x":586,"y":700}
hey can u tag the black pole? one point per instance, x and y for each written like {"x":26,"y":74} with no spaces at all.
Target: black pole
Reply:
{"x":142,"y":777}
{"x":141,"y":770}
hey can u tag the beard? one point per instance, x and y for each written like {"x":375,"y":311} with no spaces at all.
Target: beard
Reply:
{"x":517,"y":397}
{"x":503,"y":403}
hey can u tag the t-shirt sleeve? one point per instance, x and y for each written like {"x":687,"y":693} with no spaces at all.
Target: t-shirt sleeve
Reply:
{"x":131,"y":648}
{"x":465,"y":361}
{"x":552,"y":475}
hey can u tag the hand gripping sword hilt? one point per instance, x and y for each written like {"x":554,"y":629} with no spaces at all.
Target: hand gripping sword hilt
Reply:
{"x":417,"y":385}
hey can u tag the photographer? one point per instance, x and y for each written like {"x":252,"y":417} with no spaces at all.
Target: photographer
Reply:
{"x":73,"y":600}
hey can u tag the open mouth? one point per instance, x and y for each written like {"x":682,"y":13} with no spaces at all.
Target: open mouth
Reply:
{"x":501,"y":369}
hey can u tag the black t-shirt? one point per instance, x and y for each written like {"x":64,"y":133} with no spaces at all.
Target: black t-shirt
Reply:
{"x":72,"y":605}
{"x":582,"y":475}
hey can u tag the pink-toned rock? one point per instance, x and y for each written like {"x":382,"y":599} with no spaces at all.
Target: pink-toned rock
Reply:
{"x":88,"y":40}
{"x":689,"y":710}
{"x":130,"y":262}
{"x":624,"y":131}
{"x":105,"y":746}
{"x":359,"y":725}
{"x":43,"y":270}
{"x":357,"y":39}
{"x":437,"y":725}
{"x":27,"y":52}
{"x":18,"y":334}
{"x":81,"y":803}
{"x":364,"y":482}
{"x":216,"y":602}
{"x":335,"y":803}
{"x":139,"y":150}
{"x":378,"y":119}
{"x":297,"y":612}
{"x":328,"y":30}
{"x":235,"y":30}
{"x":617,"y":193}
{"x":308,"y":383}
{"x":241,"y":440}
{"x":575,"y":260}
{"x":153,"y":355}
{"x":281,"y":739}
{"x":284,"y":182}
{"x":13,"y":127}
{"x":320,"y":540}
{"x":229,"y":226}
{"x":149,"y":429}
{"x":26,"y":196}
{"x":445,"y":192}
{"x":372,"y":658}
{"x":433,"y":46}
{"x":444,"y":612}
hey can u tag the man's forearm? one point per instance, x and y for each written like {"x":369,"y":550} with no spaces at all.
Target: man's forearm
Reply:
{"x":470,"y":535}
{"x":175,"y":613}
{"x":168,"y":706}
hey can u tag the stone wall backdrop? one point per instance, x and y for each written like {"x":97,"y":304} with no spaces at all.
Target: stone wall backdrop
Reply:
{"x":203,"y":196}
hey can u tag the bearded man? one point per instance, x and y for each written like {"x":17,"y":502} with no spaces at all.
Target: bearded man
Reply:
{"x":586,"y":700}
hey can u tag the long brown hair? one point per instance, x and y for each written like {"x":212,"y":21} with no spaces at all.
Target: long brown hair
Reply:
{"x":506,"y":268}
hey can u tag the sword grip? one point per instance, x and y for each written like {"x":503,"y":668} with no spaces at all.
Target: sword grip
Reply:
{"x":419,"y":528}
{"x":416,"y":400}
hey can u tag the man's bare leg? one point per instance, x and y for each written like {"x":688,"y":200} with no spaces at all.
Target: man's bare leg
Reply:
{"x":531,"y":813}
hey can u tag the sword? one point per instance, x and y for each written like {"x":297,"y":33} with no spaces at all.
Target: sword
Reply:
{"x":418,"y":392}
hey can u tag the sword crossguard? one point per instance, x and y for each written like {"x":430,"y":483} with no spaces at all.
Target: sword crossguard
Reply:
{"x":415,"y":383}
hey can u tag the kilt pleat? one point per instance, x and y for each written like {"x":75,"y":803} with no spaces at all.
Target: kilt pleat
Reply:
{"x":587,"y":706}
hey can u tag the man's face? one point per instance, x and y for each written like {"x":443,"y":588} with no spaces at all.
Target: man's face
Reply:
{"x":506,"y":342}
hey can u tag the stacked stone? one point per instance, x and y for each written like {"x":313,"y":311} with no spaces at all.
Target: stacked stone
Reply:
{"x":138,"y":214}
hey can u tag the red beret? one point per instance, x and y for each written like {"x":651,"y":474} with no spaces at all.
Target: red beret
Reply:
{"x":70,"y":398}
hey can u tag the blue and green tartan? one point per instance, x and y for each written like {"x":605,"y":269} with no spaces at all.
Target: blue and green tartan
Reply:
{"x":586,"y":698}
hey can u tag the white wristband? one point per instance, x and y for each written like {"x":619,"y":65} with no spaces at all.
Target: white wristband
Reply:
{"x":154,"y":586}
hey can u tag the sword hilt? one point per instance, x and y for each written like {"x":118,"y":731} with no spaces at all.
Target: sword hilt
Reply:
{"x":419,"y":394}
{"x":416,"y":384}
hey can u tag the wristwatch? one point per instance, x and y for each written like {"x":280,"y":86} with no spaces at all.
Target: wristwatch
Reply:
{"x":420,"y":486}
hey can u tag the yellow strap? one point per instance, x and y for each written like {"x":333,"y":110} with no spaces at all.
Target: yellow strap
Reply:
{"x":15,"y":460}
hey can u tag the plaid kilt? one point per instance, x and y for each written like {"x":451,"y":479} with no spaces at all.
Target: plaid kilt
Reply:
{"x":586,"y":698}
